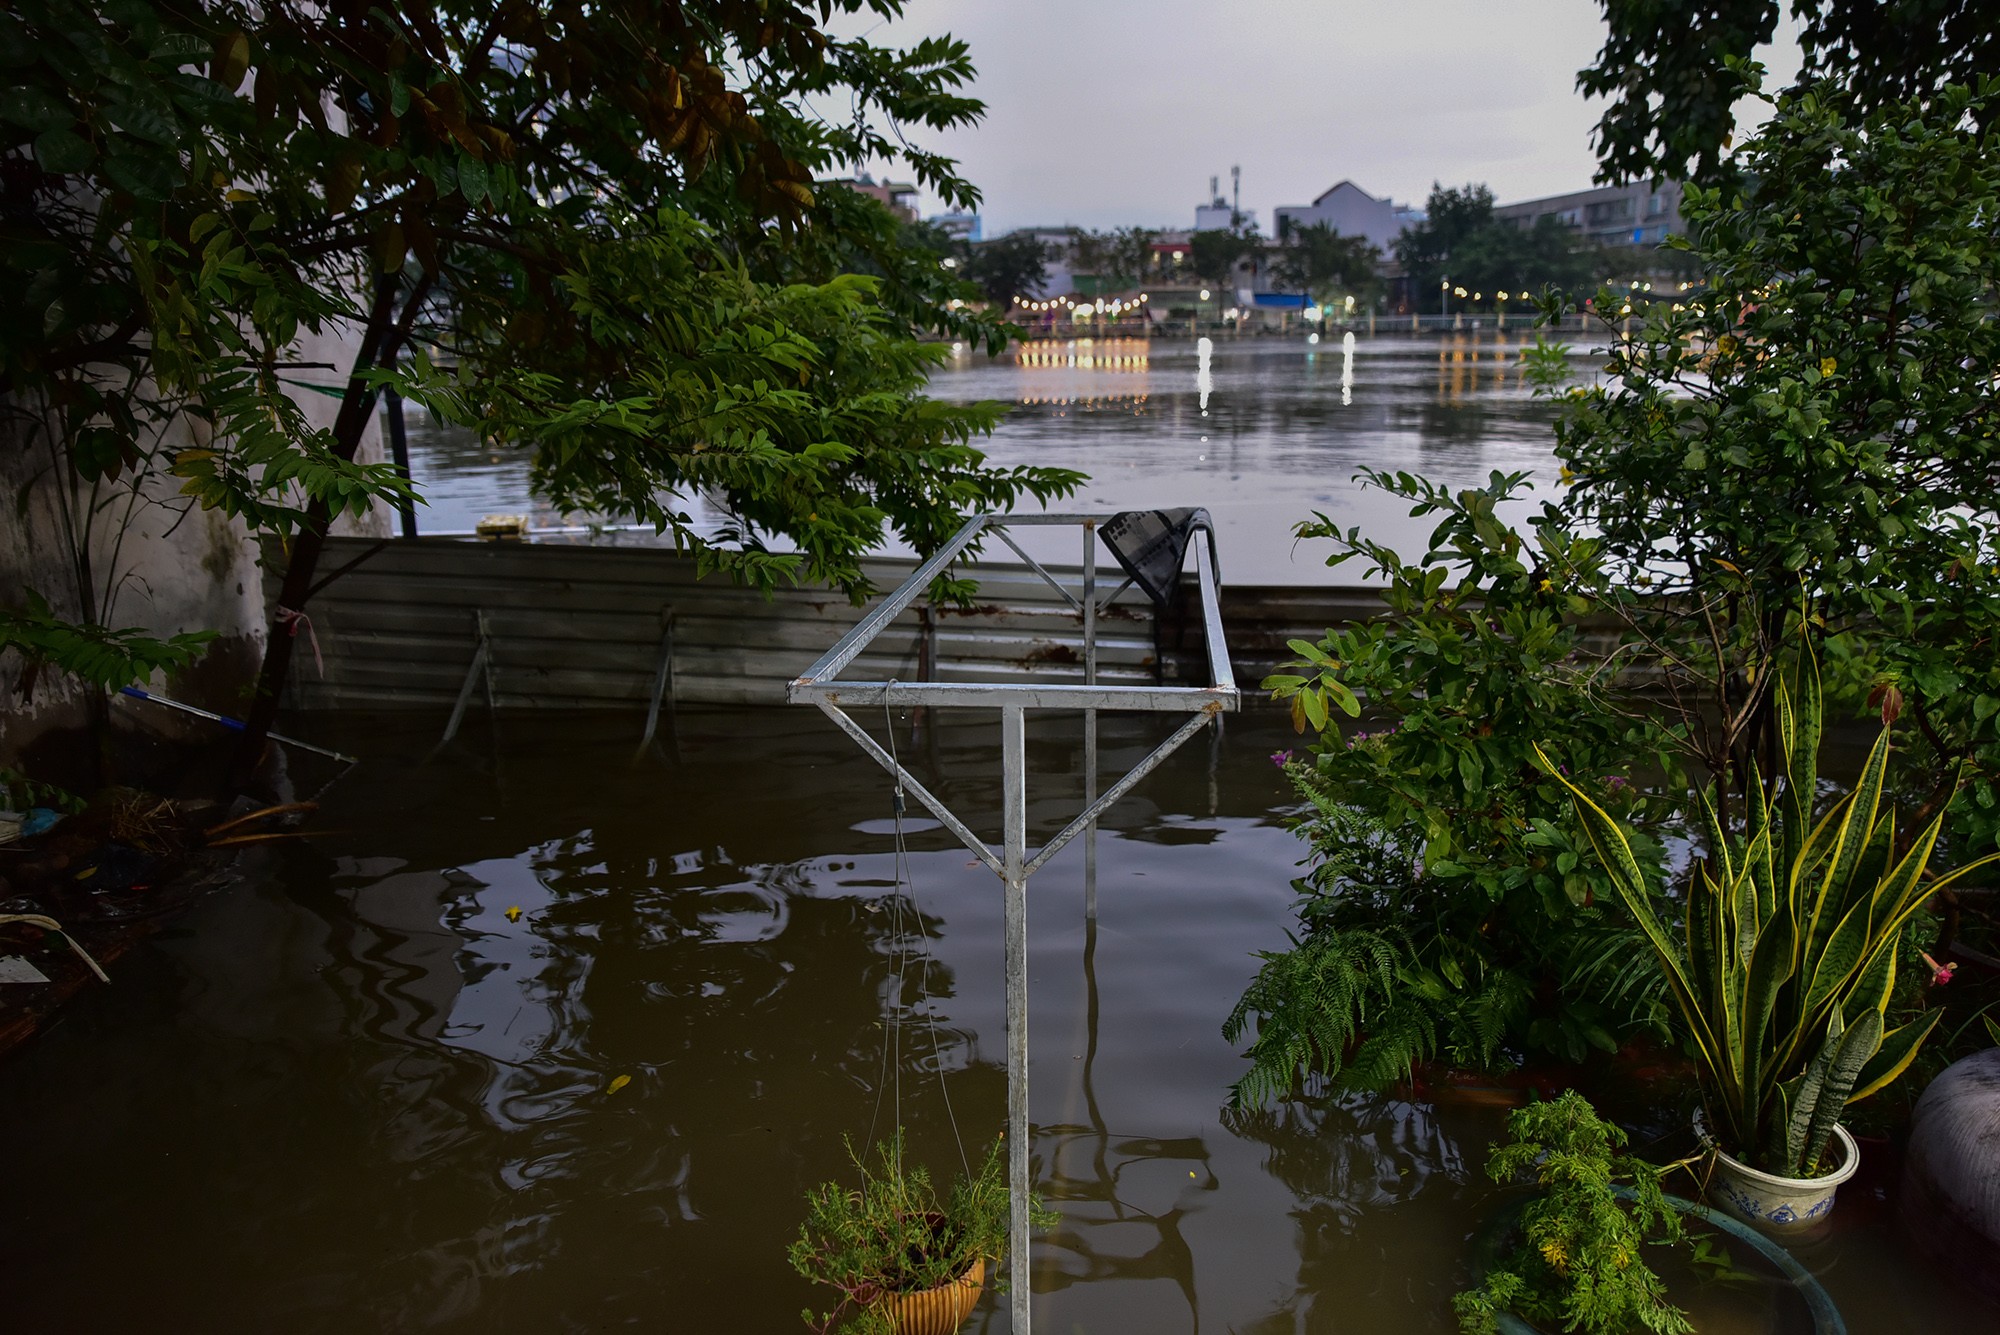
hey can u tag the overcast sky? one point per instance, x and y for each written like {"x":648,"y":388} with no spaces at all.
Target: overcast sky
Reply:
{"x":1106,"y":113}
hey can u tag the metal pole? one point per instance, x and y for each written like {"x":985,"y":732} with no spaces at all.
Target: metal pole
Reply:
{"x":1014,"y":806}
{"x":1090,"y":718}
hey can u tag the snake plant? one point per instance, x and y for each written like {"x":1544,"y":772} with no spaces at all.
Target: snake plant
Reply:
{"x":1783,"y":973}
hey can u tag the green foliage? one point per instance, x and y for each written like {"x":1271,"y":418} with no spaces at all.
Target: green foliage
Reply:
{"x":1115,"y":261}
{"x":1317,"y":260}
{"x":893,"y":1235}
{"x":1785,"y":971}
{"x":1579,"y":1265}
{"x":18,"y":792}
{"x":801,"y":404}
{"x":198,"y":182}
{"x":1213,"y":253}
{"x":1011,"y":266}
{"x":1673,"y":72}
{"x":1812,"y":431}
{"x":107,"y":659}
{"x":1450,"y":891}
{"x":1460,"y":239}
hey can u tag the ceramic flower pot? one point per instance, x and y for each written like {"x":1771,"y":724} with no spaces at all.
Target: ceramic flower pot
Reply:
{"x":938,"y":1311}
{"x":1776,"y":1204}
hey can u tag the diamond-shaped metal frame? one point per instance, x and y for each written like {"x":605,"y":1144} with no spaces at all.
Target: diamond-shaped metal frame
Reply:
{"x":820,"y":685}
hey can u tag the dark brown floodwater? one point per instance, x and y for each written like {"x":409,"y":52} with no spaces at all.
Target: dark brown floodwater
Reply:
{"x":351,"y":1095}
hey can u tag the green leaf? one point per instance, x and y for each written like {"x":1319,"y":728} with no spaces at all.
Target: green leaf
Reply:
{"x":472,"y":179}
{"x":34,"y":109}
{"x":62,"y":152}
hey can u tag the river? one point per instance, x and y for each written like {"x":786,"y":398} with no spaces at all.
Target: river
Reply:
{"x":531,"y":1035}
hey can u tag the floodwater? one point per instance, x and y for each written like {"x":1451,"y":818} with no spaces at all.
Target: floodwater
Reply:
{"x":1262,"y":431}
{"x":358,"y":1092}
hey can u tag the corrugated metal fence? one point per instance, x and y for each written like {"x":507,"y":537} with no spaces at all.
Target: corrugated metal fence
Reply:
{"x":590,"y":627}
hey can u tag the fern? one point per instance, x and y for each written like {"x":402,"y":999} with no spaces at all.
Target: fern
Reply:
{"x":1311,"y":1002}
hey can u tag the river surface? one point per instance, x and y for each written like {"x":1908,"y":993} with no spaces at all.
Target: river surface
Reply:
{"x":534,"y":1037}
{"x":1262,"y":431}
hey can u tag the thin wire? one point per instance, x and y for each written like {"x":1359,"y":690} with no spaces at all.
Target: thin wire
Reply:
{"x":905,"y":877}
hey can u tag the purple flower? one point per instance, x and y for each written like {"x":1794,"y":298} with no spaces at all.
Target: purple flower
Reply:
{"x":1281,"y":758}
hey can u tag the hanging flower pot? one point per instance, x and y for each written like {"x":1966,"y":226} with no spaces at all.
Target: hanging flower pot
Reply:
{"x":904,"y":1261}
{"x":935,"y":1311}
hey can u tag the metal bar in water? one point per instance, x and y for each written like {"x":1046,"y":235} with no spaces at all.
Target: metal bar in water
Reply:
{"x":486,"y":641}
{"x":662,"y":674}
{"x":852,"y":643}
{"x":1014,"y":805}
{"x":465,"y":691}
{"x":950,"y":695}
{"x":917,"y":790}
{"x":1036,"y":566}
{"x":1115,"y":593}
{"x":1219,"y":669}
{"x":1090,"y":717}
{"x":1122,"y":787}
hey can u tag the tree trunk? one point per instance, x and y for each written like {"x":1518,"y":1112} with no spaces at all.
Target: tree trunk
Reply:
{"x":379,"y":340}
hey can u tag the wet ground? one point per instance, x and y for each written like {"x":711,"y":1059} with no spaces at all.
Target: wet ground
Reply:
{"x":357,"y":1093}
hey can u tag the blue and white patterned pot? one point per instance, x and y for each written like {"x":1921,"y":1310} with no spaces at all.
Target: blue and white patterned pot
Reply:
{"x":1780,"y":1205}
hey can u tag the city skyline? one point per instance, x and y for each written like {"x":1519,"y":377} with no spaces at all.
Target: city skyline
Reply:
{"x":1125,"y":119}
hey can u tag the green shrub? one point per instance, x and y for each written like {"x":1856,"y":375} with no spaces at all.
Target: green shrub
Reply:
{"x":1579,"y":1265}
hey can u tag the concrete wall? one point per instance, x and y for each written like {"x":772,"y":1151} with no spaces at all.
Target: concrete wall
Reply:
{"x":177,"y":568}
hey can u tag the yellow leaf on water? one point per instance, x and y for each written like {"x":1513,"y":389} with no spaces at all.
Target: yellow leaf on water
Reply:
{"x":618,"y":1083}
{"x":514,"y":914}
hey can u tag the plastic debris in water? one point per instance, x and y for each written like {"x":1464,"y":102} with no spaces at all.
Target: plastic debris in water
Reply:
{"x":514,"y":914}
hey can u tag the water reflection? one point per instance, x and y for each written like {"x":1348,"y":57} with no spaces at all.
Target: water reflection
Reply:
{"x":1257,"y":430}
{"x":357,"y":1093}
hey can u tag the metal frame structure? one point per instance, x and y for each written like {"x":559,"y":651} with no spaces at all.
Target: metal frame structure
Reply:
{"x":1014,"y":864}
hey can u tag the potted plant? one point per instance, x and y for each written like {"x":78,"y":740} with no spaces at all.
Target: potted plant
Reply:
{"x":904,"y":1261}
{"x":1784,"y":971}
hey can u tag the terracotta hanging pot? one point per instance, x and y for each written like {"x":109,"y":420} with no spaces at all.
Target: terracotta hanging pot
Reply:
{"x":938,"y":1311}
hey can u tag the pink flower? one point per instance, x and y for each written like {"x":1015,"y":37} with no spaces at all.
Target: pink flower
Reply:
{"x":1940,"y":973}
{"x":1281,"y":758}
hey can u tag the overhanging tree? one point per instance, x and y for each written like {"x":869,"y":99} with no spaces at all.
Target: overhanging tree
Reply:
{"x":465,"y":189}
{"x":1673,"y":72}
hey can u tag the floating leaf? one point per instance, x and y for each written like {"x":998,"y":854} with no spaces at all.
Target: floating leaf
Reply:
{"x":618,"y":1083}
{"x":514,"y":913}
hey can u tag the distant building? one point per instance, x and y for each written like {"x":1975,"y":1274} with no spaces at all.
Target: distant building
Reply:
{"x":1639,"y":214}
{"x":900,"y":200}
{"x":1059,"y":250}
{"x":1224,"y":215}
{"x":1352,"y":211}
{"x":961,"y":226}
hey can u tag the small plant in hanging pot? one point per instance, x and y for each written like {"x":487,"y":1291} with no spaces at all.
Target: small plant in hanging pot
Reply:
{"x":1786,"y":966}
{"x":905,"y":1261}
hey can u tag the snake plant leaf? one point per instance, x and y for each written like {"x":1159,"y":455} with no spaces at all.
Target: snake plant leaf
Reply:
{"x":1798,"y":733}
{"x":1858,"y":1043}
{"x":1757,"y":857}
{"x":1876,"y":860}
{"x":1850,"y":835}
{"x":1718,"y":842}
{"x":1771,"y":968}
{"x":1845,"y":951}
{"x":1614,"y":853}
{"x":1898,"y":1050}
{"x":1913,"y":898}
